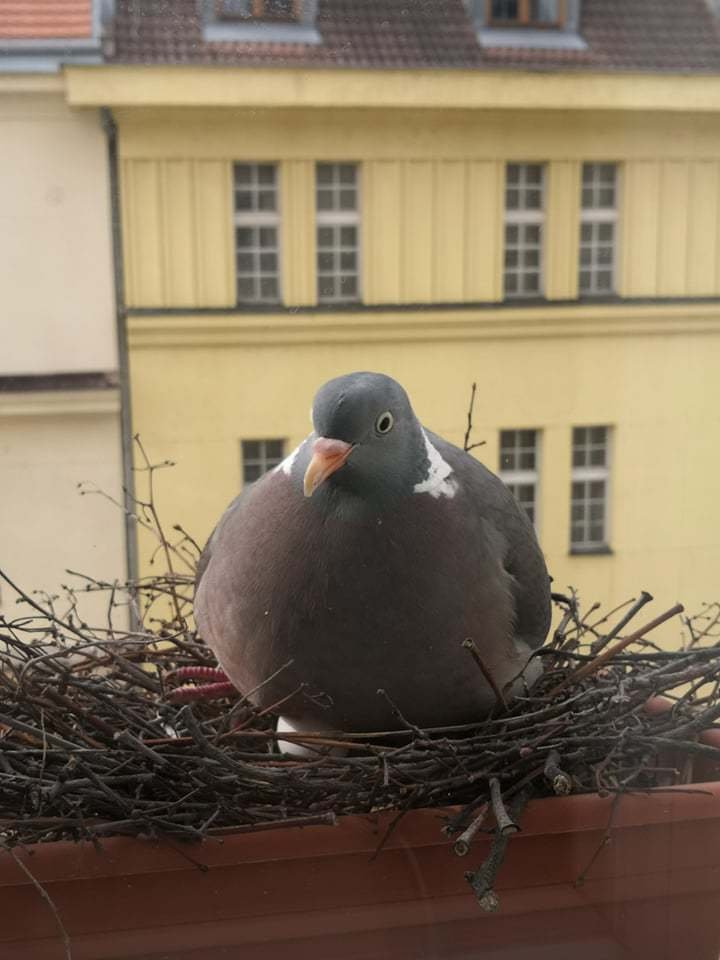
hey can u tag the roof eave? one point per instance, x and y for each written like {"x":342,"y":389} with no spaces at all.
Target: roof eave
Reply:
{"x":236,"y":86}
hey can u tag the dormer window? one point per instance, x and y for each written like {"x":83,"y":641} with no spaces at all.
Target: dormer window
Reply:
{"x":272,"y":11}
{"x":528,"y":24}
{"x":526,"y":13}
{"x":260,"y":21}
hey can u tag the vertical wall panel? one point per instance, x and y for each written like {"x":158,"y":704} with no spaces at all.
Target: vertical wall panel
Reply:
{"x":417,"y":232}
{"x":297,"y":252}
{"x":702,"y":229}
{"x":178,"y":233}
{"x":144,"y":235}
{"x":673,"y":229}
{"x":214,"y":236}
{"x":382,"y":216}
{"x":640,"y":206}
{"x":560,"y":249}
{"x":484,"y":230}
{"x":449,"y":231}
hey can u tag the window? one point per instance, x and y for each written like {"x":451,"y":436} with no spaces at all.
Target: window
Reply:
{"x":273,"y":10}
{"x":598,"y":228}
{"x":259,"y":456}
{"x":338,"y":233}
{"x":589,"y":499}
{"x":526,"y":13}
{"x":524,"y":202}
{"x":519,"y":467}
{"x":257,"y":231}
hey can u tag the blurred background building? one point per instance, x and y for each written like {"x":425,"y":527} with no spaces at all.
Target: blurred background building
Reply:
{"x":519,"y":193}
{"x":59,"y":397}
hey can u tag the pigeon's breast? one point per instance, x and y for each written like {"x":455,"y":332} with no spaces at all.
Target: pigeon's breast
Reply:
{"x":360,"y":600}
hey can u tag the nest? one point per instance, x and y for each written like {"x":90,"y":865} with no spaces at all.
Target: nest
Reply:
{"x":92,"y":743}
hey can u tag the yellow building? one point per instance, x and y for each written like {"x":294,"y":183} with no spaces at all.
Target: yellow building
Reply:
{"x":525,"y":195}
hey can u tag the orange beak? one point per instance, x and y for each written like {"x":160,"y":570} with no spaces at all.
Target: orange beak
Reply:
{"x":328,"y":456}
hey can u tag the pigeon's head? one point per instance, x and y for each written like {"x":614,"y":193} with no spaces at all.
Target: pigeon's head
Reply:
{"x":368,"y":440}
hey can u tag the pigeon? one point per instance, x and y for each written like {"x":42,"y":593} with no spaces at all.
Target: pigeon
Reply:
{"x":343,"y":588}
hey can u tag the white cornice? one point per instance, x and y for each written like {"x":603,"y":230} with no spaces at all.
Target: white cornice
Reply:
{"x":53,"y":403}
{"x":388,"y":326}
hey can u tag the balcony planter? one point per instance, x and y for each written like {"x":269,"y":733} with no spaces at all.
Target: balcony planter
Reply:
{"x":653,"y":890}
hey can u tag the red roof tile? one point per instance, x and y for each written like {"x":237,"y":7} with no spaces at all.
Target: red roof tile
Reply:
{"x":636,"y":35}
{"x":45,"y":19}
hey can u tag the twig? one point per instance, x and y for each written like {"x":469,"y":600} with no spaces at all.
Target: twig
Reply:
{"x":469,"y":644}
{"x":462,"y":844}
{"x":46,"y":897}
{"x":467,"y":446}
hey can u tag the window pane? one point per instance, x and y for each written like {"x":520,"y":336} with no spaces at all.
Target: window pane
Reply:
{"x":325,"y":199}
{"x":324,"y":173}
{"x":348,"y":236}
{"x":242,"y":173}
{"x":251,"y":449}
{"x":243,"y":237}
{"x":246,"y":289}
{"x":348,"y":286}
{"x":347,"y":173}
{"x":598,"y":435}
{"x":326,"y":287}
{"x":326,"y":261}
{"x":268,"y":287}
{"x":325,"y":236}
{"x":245,"y":262}
{"x":266,"y":174}
{"x":266,"y":200}
{"x":268,"y":262}
{"x":597,"y":489}
{"x":347,"y":199}
{"x":251,"y":472}
{"x":268,"y":236}
{"x":348,"y":261}
{"x":274,"y":449}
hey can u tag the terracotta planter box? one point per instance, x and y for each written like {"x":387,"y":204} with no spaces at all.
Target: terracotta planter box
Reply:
{"x":653,"y":891}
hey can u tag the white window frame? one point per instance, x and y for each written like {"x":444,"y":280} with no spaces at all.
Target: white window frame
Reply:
{"x":516,"y":477}
{"x":265,"y":462}
{"x":522,"y":218}
{"x":594,"y":216}
{"x":589,"y":474}
{"x":257,"y":219}
{"x":340,"y":218}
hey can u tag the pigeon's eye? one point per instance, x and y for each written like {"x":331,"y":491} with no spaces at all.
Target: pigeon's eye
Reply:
{"x":384,"y":422}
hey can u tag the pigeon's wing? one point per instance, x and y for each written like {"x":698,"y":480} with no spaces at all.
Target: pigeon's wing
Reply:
{"x":522,"y":557}
{"x":530,"y":581}
{"x":207,"y":553}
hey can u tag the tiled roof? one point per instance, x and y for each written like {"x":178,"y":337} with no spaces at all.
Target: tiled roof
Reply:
{"x":45,"y":19}
{"x":644,"y":35}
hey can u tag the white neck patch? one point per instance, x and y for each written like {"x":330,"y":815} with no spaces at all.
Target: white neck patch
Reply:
{"x":439,"y":481}
{"x":287,"y":464}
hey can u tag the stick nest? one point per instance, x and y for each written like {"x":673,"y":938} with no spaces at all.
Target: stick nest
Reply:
{"x":91,"y":743}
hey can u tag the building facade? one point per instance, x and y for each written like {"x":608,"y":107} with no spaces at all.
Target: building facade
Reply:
{"x":517,"y":194}
{"x":59,"y":396}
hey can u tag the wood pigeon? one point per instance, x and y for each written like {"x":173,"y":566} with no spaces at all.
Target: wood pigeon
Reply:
{"x":365,"y":559}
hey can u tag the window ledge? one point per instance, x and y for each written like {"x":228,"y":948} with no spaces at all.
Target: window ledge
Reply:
{"x":590,"y":551}
{"x":260,"y":33}
{"x":529,"y":39}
